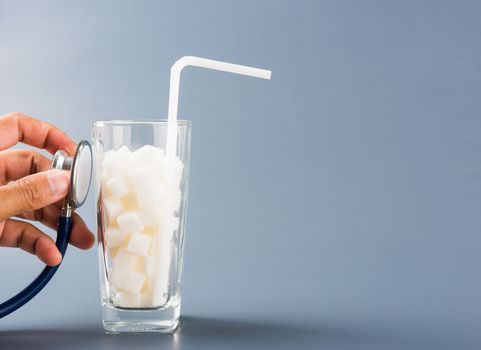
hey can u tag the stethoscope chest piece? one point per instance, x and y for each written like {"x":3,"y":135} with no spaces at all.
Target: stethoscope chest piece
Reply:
{"x":80,"y":166}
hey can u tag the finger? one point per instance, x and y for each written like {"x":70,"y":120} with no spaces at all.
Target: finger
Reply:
{"x":19,"y":234}
{"x":17,"y":127}
{"x":81,"y":237}
{"x":33,"y":192}
{"x":15,"y":164}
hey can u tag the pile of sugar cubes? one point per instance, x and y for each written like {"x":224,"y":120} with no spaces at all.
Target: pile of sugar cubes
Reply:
{"x":137,"y":241}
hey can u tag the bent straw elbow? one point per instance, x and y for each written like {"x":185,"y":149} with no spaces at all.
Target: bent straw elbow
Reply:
{"x":195,"y":61}
{"x":180,"y":64}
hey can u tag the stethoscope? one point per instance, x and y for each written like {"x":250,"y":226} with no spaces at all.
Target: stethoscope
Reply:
{"x":80,"y":167}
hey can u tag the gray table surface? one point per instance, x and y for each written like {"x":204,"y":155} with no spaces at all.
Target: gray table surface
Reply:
{"x":336,"y":206}
{"x":236,"y":332}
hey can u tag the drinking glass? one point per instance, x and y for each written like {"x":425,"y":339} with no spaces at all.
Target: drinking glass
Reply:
{"x":141,"y":197}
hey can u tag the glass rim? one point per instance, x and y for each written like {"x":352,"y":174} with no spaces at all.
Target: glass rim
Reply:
{"x":118,"y":122}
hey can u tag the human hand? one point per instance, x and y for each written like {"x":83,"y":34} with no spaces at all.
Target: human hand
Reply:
{"x":29,"y":190}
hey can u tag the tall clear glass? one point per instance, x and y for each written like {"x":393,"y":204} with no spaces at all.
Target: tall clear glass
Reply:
{"x":141,"y":211}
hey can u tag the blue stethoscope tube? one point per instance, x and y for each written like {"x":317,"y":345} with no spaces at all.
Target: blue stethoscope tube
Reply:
{"x":63,"y":235}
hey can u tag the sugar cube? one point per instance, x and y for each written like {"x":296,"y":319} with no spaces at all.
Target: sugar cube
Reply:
{"x":106,"y":155}
{"x":125,"y":259}
{"x":146,"y":155}
{"x":117,"y":186}
{"x":112,"y":208}
{"x":113,"y":253}
{"x":151,"y":229}
{"x":141,"y":175}
{"x":151,"y":215}
{"x":145,"y":265}
{"x":148,"y":285}
{"x":129,"y":222}
{"x":103,"y":181}
{"x":118,"y":161}
{"x":104,"y":161}
{"x":149,"y":265}
{"x":128,"y":300}
{"x":146,"y":299}
{"x":134,"y":282}
{"x":123,"y":150}
{"x":153,"y":245}
{"x":118,"y":276}
{"x":139,"y":244}
{"x":129,"y":201}
{"x":150,"y":193}
{"x":114,"y":238}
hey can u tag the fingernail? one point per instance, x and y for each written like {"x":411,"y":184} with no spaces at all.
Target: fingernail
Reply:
{"x":59,"y":182}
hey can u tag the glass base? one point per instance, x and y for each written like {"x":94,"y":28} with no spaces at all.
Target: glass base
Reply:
{"x":161,"y":320}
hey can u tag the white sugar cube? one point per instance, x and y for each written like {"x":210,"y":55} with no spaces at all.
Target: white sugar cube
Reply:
{"x":148,"y":285}
{"x":145,"y":265}
{"x":139,"y":244}
{"x":114,"y":238}
{"x":116,"y":162}
{"x":106,"y":162}
{"x":112,"y":208}
{"x":147,"y":293}
{"x":151,"y":215}
{"x":103,"y":182}
{"x":150,"y":193}
{"x":141,"y":175}
{"x":153,"y":245}
{"x":134,"y":282}
{"x":149,"y":265}
{"x":125,"y":299}
{"x":125,"y":260}
{"x":129,"y":222}
{"x":146,"y":299}
{"x":113,"y":253}
{"x":118,"y":276}
{"x":124,"y":150}
{"x":129,"y":201}
{"x":117,"y":186}
{"x":106,"y":155}
{"x":146,"y":155}
{"x":124,"y":153}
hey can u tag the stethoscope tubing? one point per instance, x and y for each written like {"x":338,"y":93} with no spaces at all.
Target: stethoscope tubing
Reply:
{"x":63,"y":236}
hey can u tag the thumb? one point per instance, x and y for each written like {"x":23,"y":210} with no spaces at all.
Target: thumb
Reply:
{"x":33,"y":192}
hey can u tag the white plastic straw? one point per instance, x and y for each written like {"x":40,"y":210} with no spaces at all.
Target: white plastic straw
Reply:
{"x":175,"y":72}
{"x":171,"y":145}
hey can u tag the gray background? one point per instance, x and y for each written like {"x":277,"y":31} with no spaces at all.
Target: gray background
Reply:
{"x":336,"y":206}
